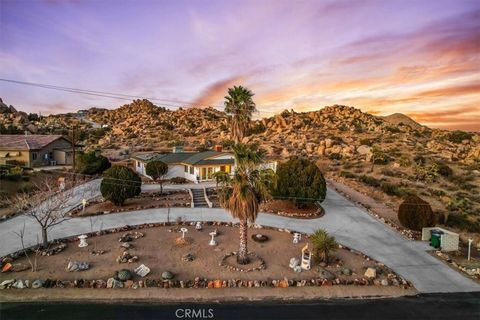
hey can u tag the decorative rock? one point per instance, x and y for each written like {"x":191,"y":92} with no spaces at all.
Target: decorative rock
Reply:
{"x":167,"y":275}
{"x":326,"y":274}
{"x":259,"y":237}
{"x":124,"y":275}
{"x":7,"y":267}
{"x":188,"y":257}
{"x":19,"y":284}
{"x":346,"y":271}
{"x":77,"y":266}
{"x":294,"y":262}
{"x":113,"y":283}
{"x":384,"y":282}
{"x":371,"y":273}
{"x":126,"y":245}
{"x":7,"y":283}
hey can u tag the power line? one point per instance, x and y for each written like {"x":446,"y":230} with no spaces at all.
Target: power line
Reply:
{"x":112,"y":95}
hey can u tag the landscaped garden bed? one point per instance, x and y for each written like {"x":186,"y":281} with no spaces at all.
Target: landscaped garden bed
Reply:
{"x":191,"y":263}
{"x":146,"y":200}
{"x":287,"y":208}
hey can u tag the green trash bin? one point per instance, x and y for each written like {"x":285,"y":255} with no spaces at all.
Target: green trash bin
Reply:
{"x":435,"y":236}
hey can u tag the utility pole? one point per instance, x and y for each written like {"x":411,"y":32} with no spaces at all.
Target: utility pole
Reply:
{"x":73,"y":154}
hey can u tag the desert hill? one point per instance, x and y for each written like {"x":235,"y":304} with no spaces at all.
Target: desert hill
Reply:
{"x":400,"y":118}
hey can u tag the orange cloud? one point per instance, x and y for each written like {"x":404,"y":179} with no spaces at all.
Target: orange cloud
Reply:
{"x":215,"y":92}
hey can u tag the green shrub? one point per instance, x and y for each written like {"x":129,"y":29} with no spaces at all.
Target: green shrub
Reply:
{"x":444,"y":170}
{"x":119,"y":184}
{"x":394,"y":190}
{"x":178,"y":180}
{"x":323,"y":245}
{"x":415,"y":213}
{"x":367,"y":142}
{"x":347,"y":174}
{"x":371,"y":181}
{"x":90,"y":163}
{"x":458,"y":136}
{"x":301,"y":180}
{"x":462,"y":222}
{"x":426,"y":173}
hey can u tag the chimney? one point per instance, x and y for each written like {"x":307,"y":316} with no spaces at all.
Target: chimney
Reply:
{"x":218,"y":148}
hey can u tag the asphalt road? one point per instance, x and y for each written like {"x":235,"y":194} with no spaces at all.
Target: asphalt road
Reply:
{"x":429,"y":306}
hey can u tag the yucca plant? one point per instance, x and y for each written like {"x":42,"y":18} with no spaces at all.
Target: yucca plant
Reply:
{"x":323,"y":245}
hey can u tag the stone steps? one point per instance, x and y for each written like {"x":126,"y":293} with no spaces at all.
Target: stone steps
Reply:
{"x":199,"y":198}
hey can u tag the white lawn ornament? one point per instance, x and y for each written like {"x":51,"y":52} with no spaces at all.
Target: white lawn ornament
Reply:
{"x":183,"y":230}
{"x":306,"y":258}
{"x":212,"y":242}
{"x":198,"y":226}
{"x":297,"y":237}
{"x":469,"y":246}
{"x":83,"y":241}
{"x":294,"y":262}
{"x":84,"y":204}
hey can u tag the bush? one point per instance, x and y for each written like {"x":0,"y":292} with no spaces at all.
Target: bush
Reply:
{"x":300,"y":179}
{"x":323,"y":245}
{"x":371,"y":181}
{"x":90,"y":163}
{"x":347,"y":174}
{"x":415,"y":213}
{"x":462,"y":222}
{"x":179,"y":180}
{"x":119,"y":184}
{"x":444,"y":170}
{"x":367,"y":142}
{"x":458,"y":136}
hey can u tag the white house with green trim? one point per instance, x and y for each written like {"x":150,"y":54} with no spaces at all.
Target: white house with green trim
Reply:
{"x":193,"y":166}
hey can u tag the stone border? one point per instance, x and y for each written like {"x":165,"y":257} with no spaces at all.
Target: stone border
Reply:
{"x":223,"y":263}
{"x":320,"y":212}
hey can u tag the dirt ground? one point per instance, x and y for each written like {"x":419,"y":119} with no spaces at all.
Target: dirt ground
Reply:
{"x":144,"y":201}
{"x":158,"y":251}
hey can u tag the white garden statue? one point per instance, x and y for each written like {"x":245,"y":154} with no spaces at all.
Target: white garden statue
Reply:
{"x":306,"y":258}
{"x":83,"y":241}
{"x":212,"y":242}
{"x":297,"y":237}
{"x":183,"y":231}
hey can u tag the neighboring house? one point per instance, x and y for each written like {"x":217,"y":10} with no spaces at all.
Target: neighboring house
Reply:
{"x":35,"y":150}
{"x":194,"y":166}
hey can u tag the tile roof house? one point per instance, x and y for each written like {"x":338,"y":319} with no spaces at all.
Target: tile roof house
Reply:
{"x":193,"y":166}
{"x":35,"y":150}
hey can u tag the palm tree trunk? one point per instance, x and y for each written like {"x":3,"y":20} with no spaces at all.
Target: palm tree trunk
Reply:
{"x":242,"y":257}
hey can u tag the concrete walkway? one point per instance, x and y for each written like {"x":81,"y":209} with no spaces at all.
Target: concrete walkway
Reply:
{"x":351,"y":225}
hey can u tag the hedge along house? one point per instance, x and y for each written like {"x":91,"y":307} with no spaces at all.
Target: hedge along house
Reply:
{"x":193,"y":166}
{"x":35,"y":150}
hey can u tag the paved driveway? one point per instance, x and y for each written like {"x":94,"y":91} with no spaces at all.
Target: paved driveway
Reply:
{"x":351,"y":225}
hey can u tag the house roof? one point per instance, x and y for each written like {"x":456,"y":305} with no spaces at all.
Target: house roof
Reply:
{"x":190,"y":158}
{"x":26,"y":142}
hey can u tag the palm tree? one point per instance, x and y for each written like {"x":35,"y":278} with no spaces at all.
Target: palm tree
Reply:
{"x":239,"y":106}
{"x":242,"y":194}
{"x":323,"y":244}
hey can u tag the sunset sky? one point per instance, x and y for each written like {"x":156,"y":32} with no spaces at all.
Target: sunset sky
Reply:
{"x":421,"y":58}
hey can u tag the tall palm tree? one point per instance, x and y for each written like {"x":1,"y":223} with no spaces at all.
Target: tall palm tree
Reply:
{"x":239,"y":106}
{"x":245,"y":190}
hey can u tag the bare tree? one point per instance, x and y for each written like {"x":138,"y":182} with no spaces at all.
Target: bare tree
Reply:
{"x":45,"y":205}
{"x":33,"y":263}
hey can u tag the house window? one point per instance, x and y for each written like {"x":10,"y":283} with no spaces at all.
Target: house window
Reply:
{"x":191,"y":169}
{"x":228,"y":168}
{"x":34,"y":156}
{"x":222,"y":168}
{"x":185,"y":168}
{"x":138,"y":164}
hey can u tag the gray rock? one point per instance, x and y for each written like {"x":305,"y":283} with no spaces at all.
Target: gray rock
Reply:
{"x":114,"y":283}
{"x":384,"y":282}
{"x":347,"y":271}
{"x":19,"y":284}
{"x":326,"y":274}
{"x":167,"y":275}
{"x":7,"y":283}
{"x":77,"y":266}
{"x":37,"y":284}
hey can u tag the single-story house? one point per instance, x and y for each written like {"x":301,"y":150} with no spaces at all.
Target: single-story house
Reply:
{"x":35,"y":150}
{"x":193,"y":166}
